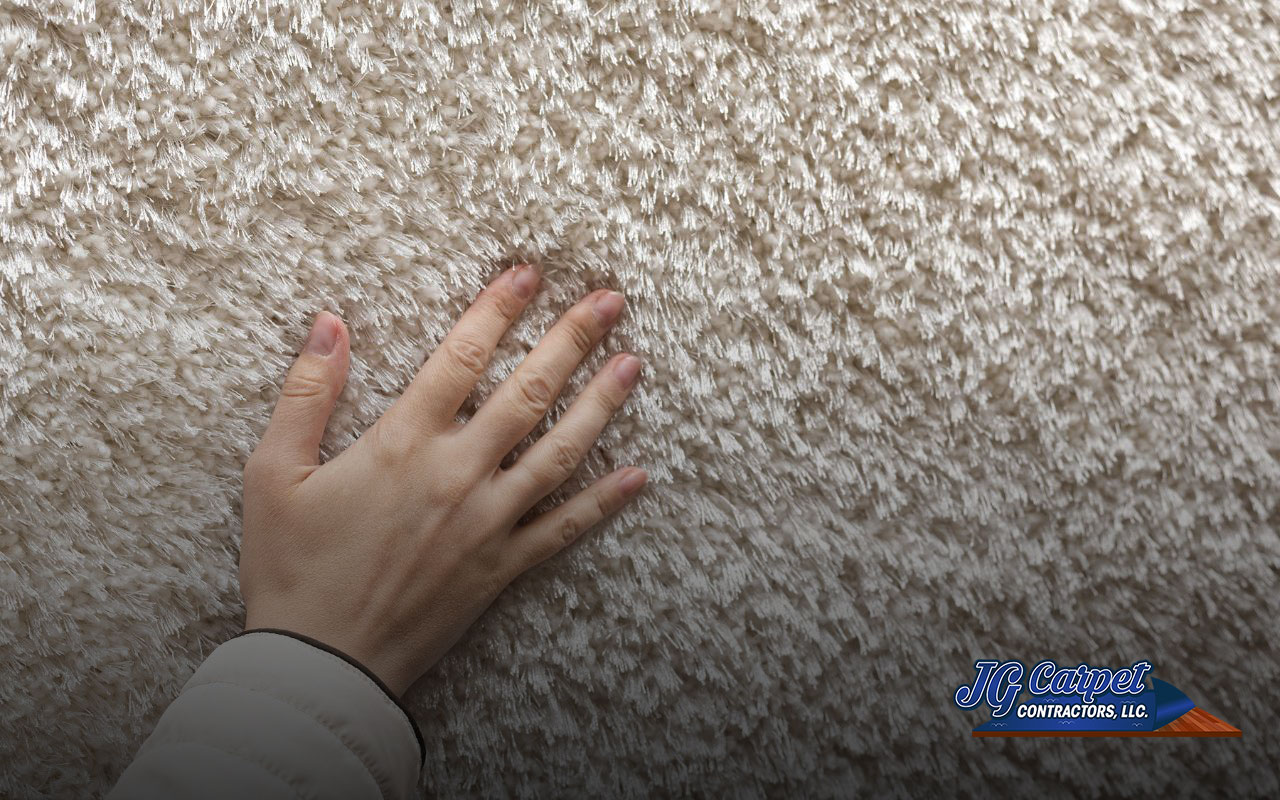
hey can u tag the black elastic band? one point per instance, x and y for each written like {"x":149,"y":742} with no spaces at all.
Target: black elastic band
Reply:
{"x":417,"y":733}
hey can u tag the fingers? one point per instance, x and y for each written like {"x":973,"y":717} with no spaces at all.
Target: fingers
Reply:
{"x":307,"y":397}
{"x":449,"y":375}
{"x":554,"y":457}
{"x":550,"y":533}
{"x":524,"y":397}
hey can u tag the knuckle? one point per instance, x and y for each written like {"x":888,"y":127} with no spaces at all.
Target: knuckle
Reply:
{"x":301,"y":385}
{"x":569,"y":528}
{"x":579,"y":335}
{"x":452,"y":487}
{"x":255,"y":468}
{"x":392,"y":446}
{"x":468,"y":355}
{"x":603,"y":506}
{"x":503,"y":302}
{"x":565,"y":456}
{"x":605,"y":404}
{"x":501,"y":568}
{"x":521,"y":561}
{"x":534,"y":390}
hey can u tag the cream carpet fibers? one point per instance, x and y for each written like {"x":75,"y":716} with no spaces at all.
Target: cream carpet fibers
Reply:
{"x":960,"y":329}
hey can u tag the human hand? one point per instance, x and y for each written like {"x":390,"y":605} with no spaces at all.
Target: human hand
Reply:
{"x":391,"y":550}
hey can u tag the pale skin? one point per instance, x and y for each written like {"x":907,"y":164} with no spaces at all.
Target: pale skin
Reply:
{"x":391,"y":550}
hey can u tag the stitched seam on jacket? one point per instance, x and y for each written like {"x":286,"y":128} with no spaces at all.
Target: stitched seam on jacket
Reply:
{"x":323,"y":723}
{"x":400,"y":713}
{"x":243,"y":757}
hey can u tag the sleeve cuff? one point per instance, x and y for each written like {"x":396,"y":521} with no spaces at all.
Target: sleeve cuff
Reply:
{"x":368,"y":673}
{"x":331,"y":689}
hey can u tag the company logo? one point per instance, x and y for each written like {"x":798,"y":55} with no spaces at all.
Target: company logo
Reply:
{"x":1048,"y":700}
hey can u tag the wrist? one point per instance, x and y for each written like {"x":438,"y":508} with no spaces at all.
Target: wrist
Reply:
{"x":386,"y":678}
{"x":370,"y":659}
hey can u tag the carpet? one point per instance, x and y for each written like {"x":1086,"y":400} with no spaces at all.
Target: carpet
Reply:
{"x":960,"y":331}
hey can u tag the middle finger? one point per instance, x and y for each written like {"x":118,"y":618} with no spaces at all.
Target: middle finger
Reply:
{"x":525,"y":396}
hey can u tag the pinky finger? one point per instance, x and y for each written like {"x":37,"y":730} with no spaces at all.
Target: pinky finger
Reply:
{"x":548,"y":534}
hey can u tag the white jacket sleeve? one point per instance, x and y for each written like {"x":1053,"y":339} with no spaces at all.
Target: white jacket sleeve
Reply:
{"x":272,"y":714}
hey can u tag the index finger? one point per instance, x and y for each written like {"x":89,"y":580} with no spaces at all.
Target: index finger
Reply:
{"x":444,"y":381}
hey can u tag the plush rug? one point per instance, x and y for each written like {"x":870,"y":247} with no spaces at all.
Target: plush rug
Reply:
{"x":960,"y":329}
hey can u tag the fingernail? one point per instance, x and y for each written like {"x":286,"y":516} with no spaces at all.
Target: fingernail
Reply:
{"x":607,"y":307}
{"x":627,"y":370}
{"x":632,"y":481}
{"x":324,"y":334}
{"x":524,"y":281}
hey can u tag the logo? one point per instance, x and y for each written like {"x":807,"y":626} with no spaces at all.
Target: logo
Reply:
{"x":1049,"y":700}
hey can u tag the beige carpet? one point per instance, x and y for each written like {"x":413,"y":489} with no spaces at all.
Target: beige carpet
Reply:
{"x":961,"y":329}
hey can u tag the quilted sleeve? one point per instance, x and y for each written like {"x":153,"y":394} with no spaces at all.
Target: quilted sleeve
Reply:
{"x":274,"y":714}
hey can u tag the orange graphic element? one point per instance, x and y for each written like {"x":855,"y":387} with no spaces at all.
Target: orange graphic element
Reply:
{"x":1195,"y":723}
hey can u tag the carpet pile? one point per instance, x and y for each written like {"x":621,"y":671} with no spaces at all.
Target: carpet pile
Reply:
{"x":960,"y":330}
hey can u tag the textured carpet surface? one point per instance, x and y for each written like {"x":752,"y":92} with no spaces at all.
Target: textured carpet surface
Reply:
{"x":960,"y":322}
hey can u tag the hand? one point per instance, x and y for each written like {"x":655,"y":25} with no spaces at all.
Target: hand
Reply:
{"x":391,"y":550}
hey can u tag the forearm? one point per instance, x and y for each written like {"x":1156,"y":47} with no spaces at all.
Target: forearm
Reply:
{"x":268,"y":715}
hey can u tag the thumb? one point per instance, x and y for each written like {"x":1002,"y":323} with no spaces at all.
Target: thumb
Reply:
{"x":309,"y":393}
